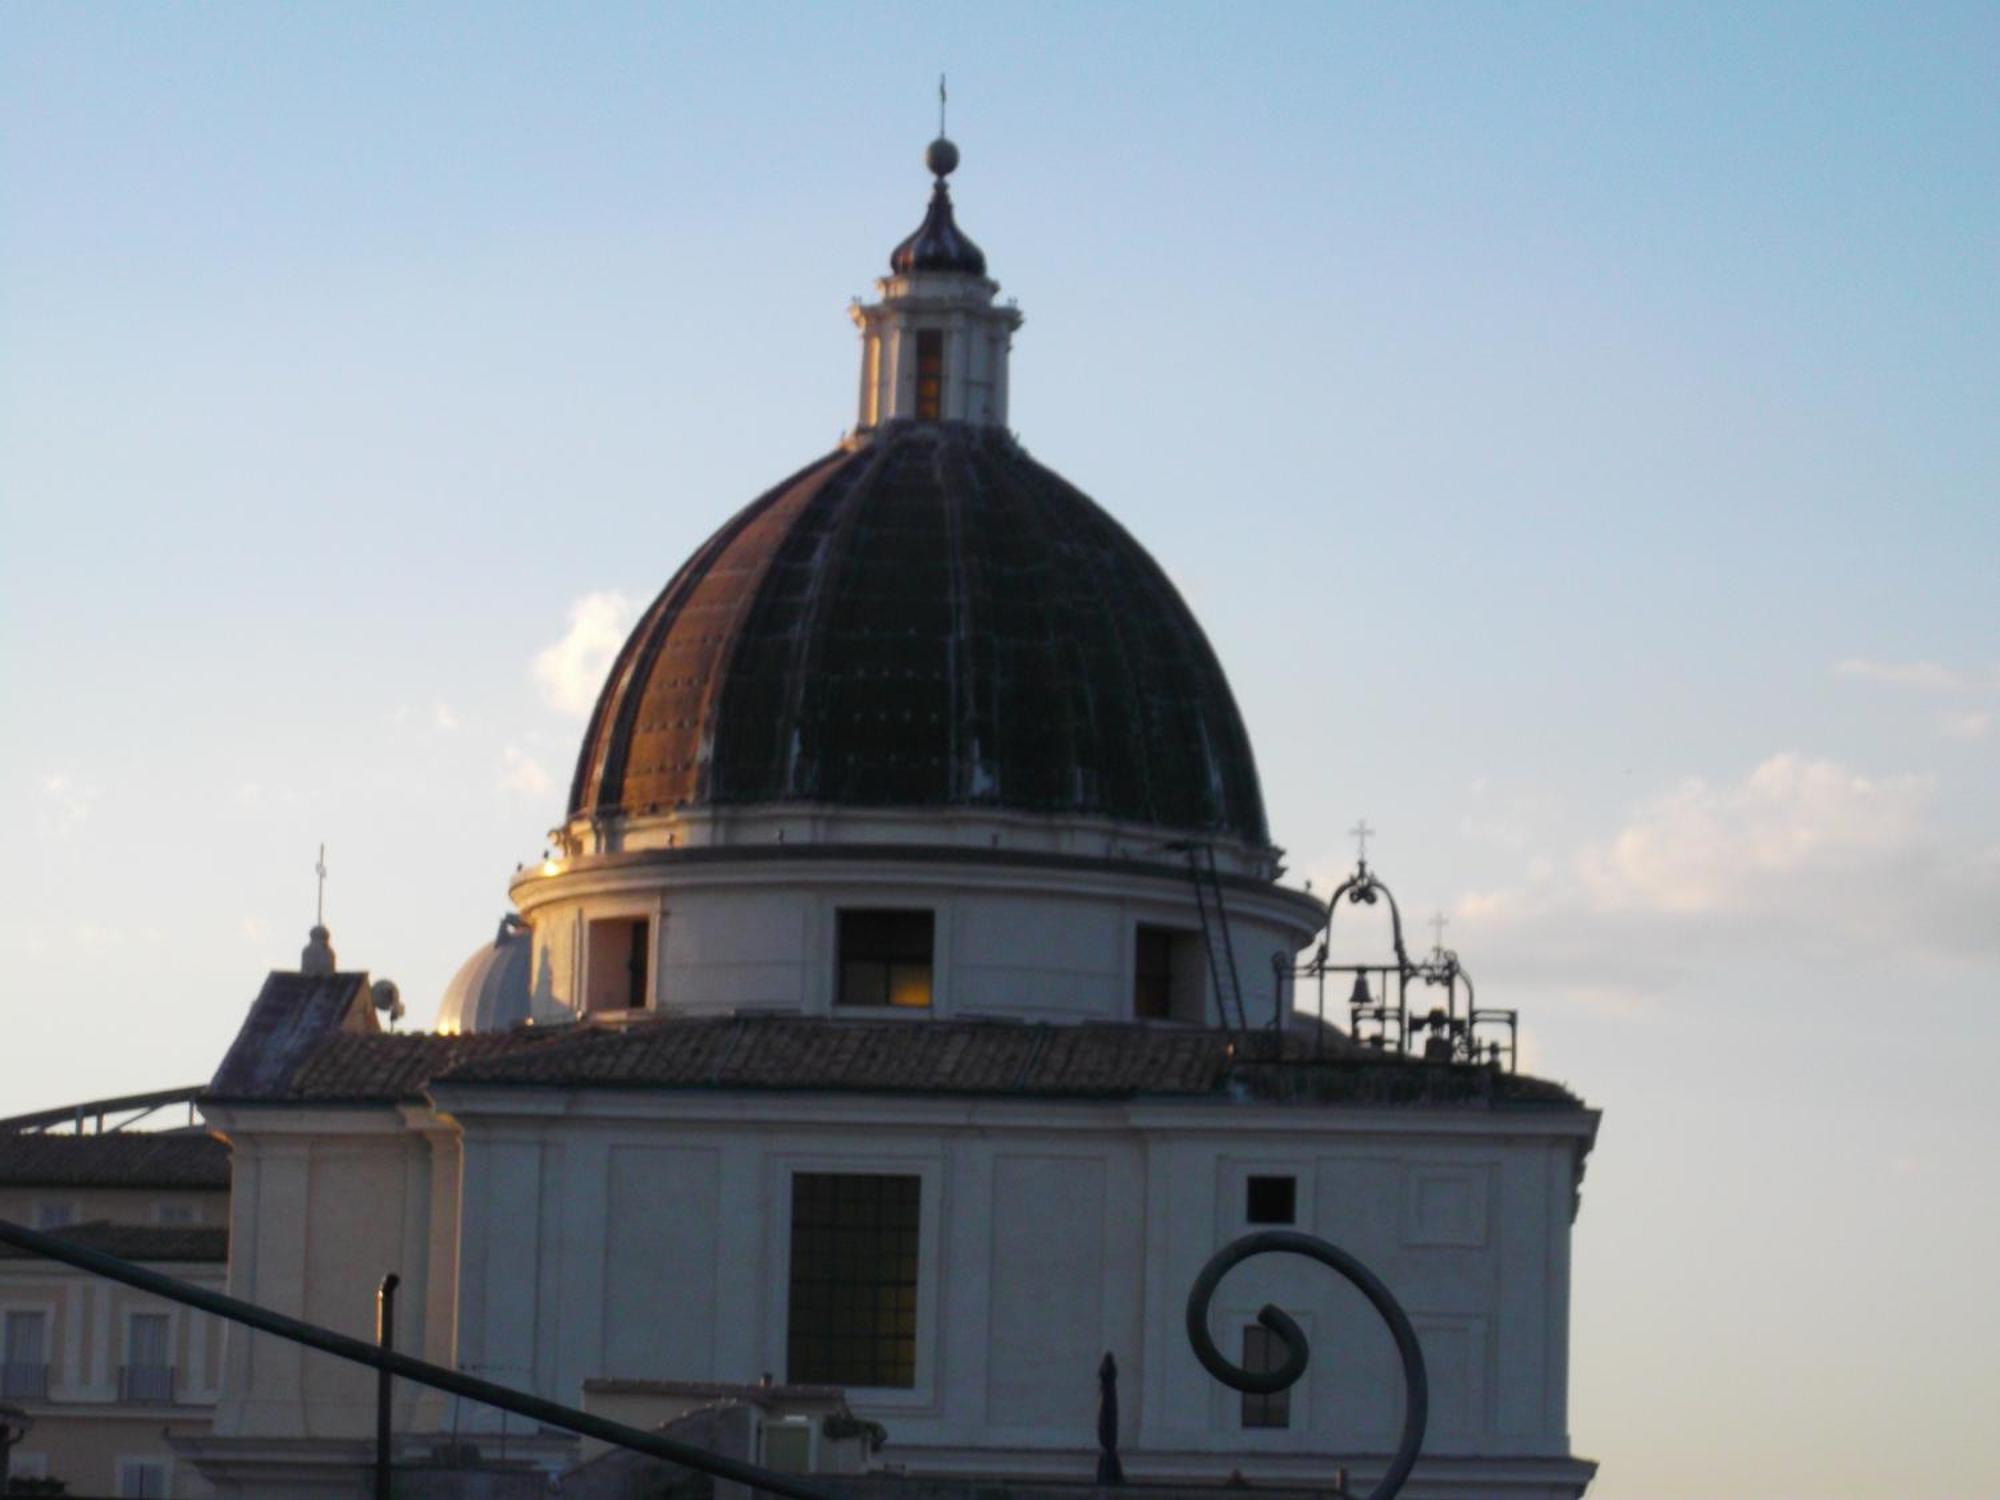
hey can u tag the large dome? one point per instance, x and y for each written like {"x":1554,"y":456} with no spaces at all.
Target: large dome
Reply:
{"x":931,"y":620}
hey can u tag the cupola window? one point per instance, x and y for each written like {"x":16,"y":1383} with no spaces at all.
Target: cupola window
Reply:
{"x":885,"y":958}
{"x":930,"y":375}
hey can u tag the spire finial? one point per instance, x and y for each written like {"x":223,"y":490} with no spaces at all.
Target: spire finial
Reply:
{"x":318,"y":955}
{"x":941,"y":156}
{"x":1361,"y":833}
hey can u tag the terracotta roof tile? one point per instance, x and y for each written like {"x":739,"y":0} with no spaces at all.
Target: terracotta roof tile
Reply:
{"x":391,"y":1066}
{"x":987,"y":1058}
{"x":914,"y":1056}
{"x":182,"y":1242}
{"x":127,"y":1158}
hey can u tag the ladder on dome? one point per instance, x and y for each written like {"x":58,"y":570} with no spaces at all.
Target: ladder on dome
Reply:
{"x":1221,"y":964}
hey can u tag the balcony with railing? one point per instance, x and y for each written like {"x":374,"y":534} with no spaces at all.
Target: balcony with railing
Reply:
{"x":24,"y":1380}
{"x":146,"y":1385}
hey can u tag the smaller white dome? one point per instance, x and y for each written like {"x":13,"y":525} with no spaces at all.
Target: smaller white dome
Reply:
{"x":492,"y":990}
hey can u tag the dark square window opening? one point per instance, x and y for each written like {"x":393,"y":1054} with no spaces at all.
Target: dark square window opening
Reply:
{"x":852,"y":1318}
{"x":1271,"y":1200}
{"x":1153,"y":974}
{"x":885,"y":958}
{"x":1264,"y":1351}
{"x":1168,"y":964}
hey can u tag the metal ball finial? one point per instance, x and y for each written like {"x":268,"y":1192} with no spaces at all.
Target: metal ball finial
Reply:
{"x":941,"y":156}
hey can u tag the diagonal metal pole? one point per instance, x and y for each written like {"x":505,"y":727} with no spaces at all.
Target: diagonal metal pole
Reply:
{"x":403,"y":1367}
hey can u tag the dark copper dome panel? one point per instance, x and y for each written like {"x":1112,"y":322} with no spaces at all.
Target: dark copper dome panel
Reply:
{"x":934,"y":620}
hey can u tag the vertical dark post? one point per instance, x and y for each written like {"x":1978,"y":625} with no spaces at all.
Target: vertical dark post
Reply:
{"x":385,"y":1337}
{"x":15,"y":1424}
{"x":1109,"y":1469}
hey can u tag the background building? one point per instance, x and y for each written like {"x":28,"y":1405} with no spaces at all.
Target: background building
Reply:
{"x":110,"y":1376}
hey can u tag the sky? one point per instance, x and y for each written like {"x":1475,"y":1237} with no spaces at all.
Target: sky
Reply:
{"x":1574,"y":426}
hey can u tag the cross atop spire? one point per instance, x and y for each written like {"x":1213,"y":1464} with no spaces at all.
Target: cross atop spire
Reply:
{"x":318,"y":956}
{"x":1437,"y":925}
{"x":1361,"y":833}
{"x":941,"y":130}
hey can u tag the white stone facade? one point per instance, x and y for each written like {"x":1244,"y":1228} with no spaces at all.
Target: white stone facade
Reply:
{"x":551,"y":1237}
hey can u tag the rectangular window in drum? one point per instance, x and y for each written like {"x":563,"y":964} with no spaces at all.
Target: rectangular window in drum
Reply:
{"x":616,"y":975}
{"x":1153,"y":974}
{"x":885,"y":958}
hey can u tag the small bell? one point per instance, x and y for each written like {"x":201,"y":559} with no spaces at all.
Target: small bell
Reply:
{"x":1360,"y":996}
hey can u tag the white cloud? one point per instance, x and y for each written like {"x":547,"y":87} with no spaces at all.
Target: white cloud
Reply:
{"x":1969,"y":725}
{"x":521,"y":772}
{"x":95,"y":935}
{"x":1797,"y":857}
{"x":1701,"y":847}
{"x":1931,"y":677}
{"x":571,"y":671}
{"x":66,"y":803}
{"x":255,"y":794}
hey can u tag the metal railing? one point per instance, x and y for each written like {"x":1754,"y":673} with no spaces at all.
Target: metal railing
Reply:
{"x":389,"y":1364}
{"x":1380,"y":1014}
{"x":24,"y":1380}
{"x":79,"y":1118}
{"x":146,"y":1385}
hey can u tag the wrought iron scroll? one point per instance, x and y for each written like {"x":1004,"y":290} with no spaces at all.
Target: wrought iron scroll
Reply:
{"x":1416,"y":1383}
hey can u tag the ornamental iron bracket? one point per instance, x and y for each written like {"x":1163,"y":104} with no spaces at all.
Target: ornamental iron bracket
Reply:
{"x":1416,"y":1382}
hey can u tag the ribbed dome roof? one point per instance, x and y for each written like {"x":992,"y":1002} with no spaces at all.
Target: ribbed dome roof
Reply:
{"x":930,"y":620}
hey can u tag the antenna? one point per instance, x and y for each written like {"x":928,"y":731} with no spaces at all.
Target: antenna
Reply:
{"x":940,"y":106}
{"x":319,"y":907}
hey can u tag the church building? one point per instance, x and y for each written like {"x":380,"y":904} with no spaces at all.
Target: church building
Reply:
{"x":910,"y":1004}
